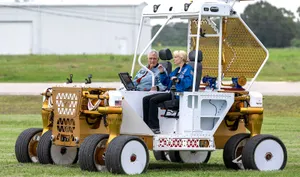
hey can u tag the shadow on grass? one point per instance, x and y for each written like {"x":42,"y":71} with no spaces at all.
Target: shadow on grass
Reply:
{"x":186,"y":167}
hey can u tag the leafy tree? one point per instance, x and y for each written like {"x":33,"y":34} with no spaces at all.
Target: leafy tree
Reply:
{"x":296,"y":41}
{"x":274,"y":27}
{"x":174,"y":34}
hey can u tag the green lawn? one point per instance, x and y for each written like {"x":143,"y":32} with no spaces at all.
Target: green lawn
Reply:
{"x":283,"y":65}
{"x":17,"y":113}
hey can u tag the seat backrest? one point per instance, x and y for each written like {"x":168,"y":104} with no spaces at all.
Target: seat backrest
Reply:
{"x":167,"y":65}
{"x":166,"y":55}
{"x":192,"y":58}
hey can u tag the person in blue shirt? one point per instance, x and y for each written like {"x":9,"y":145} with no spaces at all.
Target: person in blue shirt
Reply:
{"x":183,"y":77}
{"x":143,"y":79}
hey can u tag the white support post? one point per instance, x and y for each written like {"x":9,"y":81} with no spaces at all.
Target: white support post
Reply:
{"x":220,"y":54}
{"x":195,"y":67}
{"x":197,"y":48}
{"x":189,"y":37}
{"x":148,"y":45}
{"x":136,"y":46}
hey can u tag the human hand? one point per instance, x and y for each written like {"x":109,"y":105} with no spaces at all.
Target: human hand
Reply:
{"x":160,"y":68}
{"x":174,"y":78}
{"x":153,"y":88}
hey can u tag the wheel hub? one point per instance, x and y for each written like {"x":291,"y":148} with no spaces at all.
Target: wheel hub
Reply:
{"x":269,"y":156}
{"x":132,"y":158}
{"x":63,"y":150}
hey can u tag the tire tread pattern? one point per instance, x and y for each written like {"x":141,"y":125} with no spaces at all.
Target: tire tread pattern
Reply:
{"x":229,"y":150}
{"x":44,"y":148}
{"x":86,"y":151}
{"x":22,"y":142}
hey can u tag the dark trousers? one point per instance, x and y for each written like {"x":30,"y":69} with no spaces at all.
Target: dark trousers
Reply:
{"x":150,"y":108}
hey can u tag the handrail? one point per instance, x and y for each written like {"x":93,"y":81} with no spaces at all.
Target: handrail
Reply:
{"x":148,"y":45}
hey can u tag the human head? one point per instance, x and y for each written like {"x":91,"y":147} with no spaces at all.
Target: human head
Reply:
{"x":153,"y":58}
{"x":180,"y":57}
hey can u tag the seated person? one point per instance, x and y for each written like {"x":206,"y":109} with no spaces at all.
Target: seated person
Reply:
{"x":183,"y":76}
{"x":143,"y":79}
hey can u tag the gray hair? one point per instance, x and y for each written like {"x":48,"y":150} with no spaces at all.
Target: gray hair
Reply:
{"x":154,"y":52}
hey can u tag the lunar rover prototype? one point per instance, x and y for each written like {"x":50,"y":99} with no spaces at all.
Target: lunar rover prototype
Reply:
{"x":103,"y":128}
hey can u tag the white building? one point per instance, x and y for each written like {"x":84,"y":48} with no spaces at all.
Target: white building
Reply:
{"x":71,"y":27}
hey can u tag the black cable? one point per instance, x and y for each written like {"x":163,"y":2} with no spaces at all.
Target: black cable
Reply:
{"x":73,"y":16}
{"x":214,"y":106}
{"x":107,"y":14}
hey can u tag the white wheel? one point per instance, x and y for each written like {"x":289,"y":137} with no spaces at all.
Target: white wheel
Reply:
{"x":194,"y":156}
{"x":127,"y":155}
{"x":63,"y":155}
{"x":133,"y":158}
{"x":264,"y":153}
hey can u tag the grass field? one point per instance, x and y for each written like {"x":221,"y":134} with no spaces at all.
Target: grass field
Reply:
{"x":17,"y":113}
{"x":283,"y":65}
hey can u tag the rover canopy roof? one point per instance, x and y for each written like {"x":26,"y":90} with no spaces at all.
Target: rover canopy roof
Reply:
{"x":242,"y":53}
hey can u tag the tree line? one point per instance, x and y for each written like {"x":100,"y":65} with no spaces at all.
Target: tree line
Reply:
{"x":275,"y":27}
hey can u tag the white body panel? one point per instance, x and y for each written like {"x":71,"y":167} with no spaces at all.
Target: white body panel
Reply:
{"x":200,"y":114}
{"x":207,"y":113}
{"x":135,"y":100}
{"x":256,"y":99}
{"x":198,"y":121}
{"x":132,"y":123}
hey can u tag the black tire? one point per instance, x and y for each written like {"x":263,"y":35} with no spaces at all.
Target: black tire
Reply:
{"x":23,"y":144}
{"x":231,"y":152}
{"x":249,"y":153}
{"x":159,"y":155}
{"x":87,"y":152}
{"x":114,"y":151}
{"x":44,"y":148}
{"x":76,"y":159}
{"x":175,"y":157}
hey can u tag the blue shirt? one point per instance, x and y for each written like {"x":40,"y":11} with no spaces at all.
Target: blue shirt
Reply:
{"x":143,"y":79}
{"x":185,"y":77}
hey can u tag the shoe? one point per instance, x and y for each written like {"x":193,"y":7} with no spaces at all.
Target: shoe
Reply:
{"x":155,"y":130}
